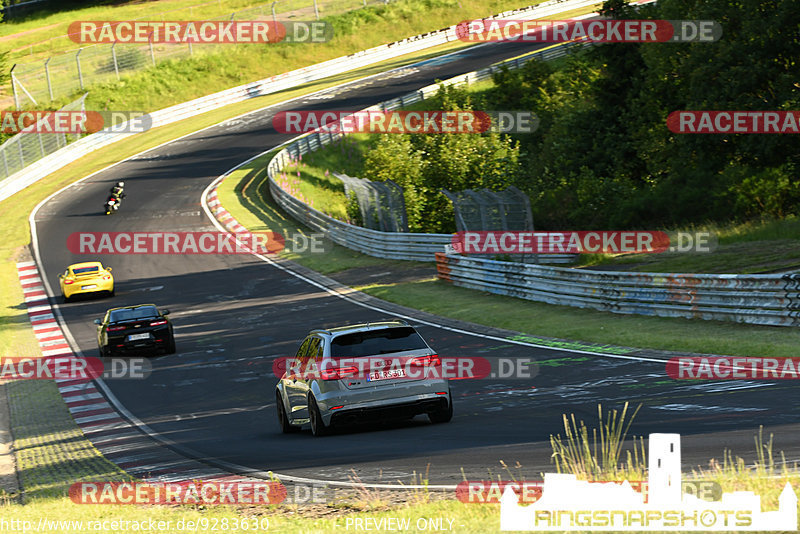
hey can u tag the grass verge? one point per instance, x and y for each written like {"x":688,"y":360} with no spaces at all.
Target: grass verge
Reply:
{"x":45,"y":31}
{"x":212,"y":70}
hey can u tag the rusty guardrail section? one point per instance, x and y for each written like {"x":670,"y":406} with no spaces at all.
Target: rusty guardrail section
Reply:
{"x":765,"y":299}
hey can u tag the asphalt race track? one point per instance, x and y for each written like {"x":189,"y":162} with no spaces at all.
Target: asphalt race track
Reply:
{"x":234,"y":314}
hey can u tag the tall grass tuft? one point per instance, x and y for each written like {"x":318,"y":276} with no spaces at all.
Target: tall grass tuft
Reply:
{"x":598,"y":458}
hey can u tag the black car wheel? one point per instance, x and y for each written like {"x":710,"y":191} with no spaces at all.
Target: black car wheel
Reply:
{"x":443,"y":416}
{"x":318,"y":427}
{"x":283,"y":420}
{"x":171,"y":348}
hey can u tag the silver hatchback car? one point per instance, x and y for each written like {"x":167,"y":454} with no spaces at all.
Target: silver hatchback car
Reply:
{"x":362,"y":373}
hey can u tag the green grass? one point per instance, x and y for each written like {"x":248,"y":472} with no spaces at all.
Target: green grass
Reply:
{"x":45,"y":32}
{"x":175,"y":81}
{"x":316,"y":181}
{"x":752,"y":247}
{"x":50,"y":449}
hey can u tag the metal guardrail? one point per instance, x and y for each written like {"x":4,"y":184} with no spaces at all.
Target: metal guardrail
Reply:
{"x":765,"y":299}
{"x":390,"y":245}
{"x":36,"y":170}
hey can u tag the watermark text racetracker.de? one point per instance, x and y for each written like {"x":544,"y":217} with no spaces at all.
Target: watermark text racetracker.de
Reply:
{"x":734,"y":122}
{"x":74,"y":122}
{"x":733,"y":368}
{"x":191,"y":492}
{"x":196,"y":243}
{"x":428,"y":122}
{"x":201,"y":524}
{"x":597,"y":242}
{"x":69,"y":367}
{"x":595,"y":30}
{"x":200,"y":31}
{"x":406,"y":367}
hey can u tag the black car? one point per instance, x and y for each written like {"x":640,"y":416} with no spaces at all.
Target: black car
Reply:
{"x":135,"y":329}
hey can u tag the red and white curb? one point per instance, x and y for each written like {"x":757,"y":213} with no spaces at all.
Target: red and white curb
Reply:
{"x":222,"y":215}
{"x":118,"y":440}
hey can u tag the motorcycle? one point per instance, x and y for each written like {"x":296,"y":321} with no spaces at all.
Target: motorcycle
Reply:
{"x":112,"y":204}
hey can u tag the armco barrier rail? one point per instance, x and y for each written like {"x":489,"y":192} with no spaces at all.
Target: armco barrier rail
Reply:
{"x":391,"y":245}
{"x":766,"y":299}
{"x":37,"y":170}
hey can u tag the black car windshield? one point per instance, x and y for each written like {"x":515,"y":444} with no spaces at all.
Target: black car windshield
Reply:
{"x":130,"y":314}
{"x":86,"y":270}
{"x":376,"y":342}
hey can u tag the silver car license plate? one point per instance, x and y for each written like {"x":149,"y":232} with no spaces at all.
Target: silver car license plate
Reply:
{"x":386,"y":375}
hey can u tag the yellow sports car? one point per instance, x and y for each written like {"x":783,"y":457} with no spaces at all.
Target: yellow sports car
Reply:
{"x":86,"y":277}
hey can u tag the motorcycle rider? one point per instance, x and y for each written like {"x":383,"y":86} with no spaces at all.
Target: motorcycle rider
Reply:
{"x":118,"y":190}
{"x":116,"y":194}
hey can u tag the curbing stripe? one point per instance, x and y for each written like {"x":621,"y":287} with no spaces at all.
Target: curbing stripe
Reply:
{"x":114,"y":437}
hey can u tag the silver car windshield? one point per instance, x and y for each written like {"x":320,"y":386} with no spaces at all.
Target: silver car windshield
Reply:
{"x":373,"y":342}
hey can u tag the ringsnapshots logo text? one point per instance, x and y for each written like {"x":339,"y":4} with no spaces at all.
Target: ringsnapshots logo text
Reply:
{"x":200,"y":32}
{"x":569,"y":504}
{"x":405,"y":122}
{"x":596,"y":31}
{"x":182,"y":243}
{"x":530,"y":491}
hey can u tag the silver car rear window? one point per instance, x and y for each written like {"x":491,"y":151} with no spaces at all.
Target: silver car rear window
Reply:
{"x":373,"y":342}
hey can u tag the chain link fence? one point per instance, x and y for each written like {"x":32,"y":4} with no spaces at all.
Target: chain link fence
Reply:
{"x":44,"y":80}
{"x":381,"y":204}
{"x":486,"y":211}
{"x":25,"y":148}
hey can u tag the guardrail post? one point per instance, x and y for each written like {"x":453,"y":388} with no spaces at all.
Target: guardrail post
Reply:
{"x":47,"y":77}
{"x":14,"y":86}
{"x":152,"y":51}
{"x":274,"y":20}
{"x":316,"y":10}
{"x":114,"y":57}
{"x":78,"y":62}
{"x":21,"y":154}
